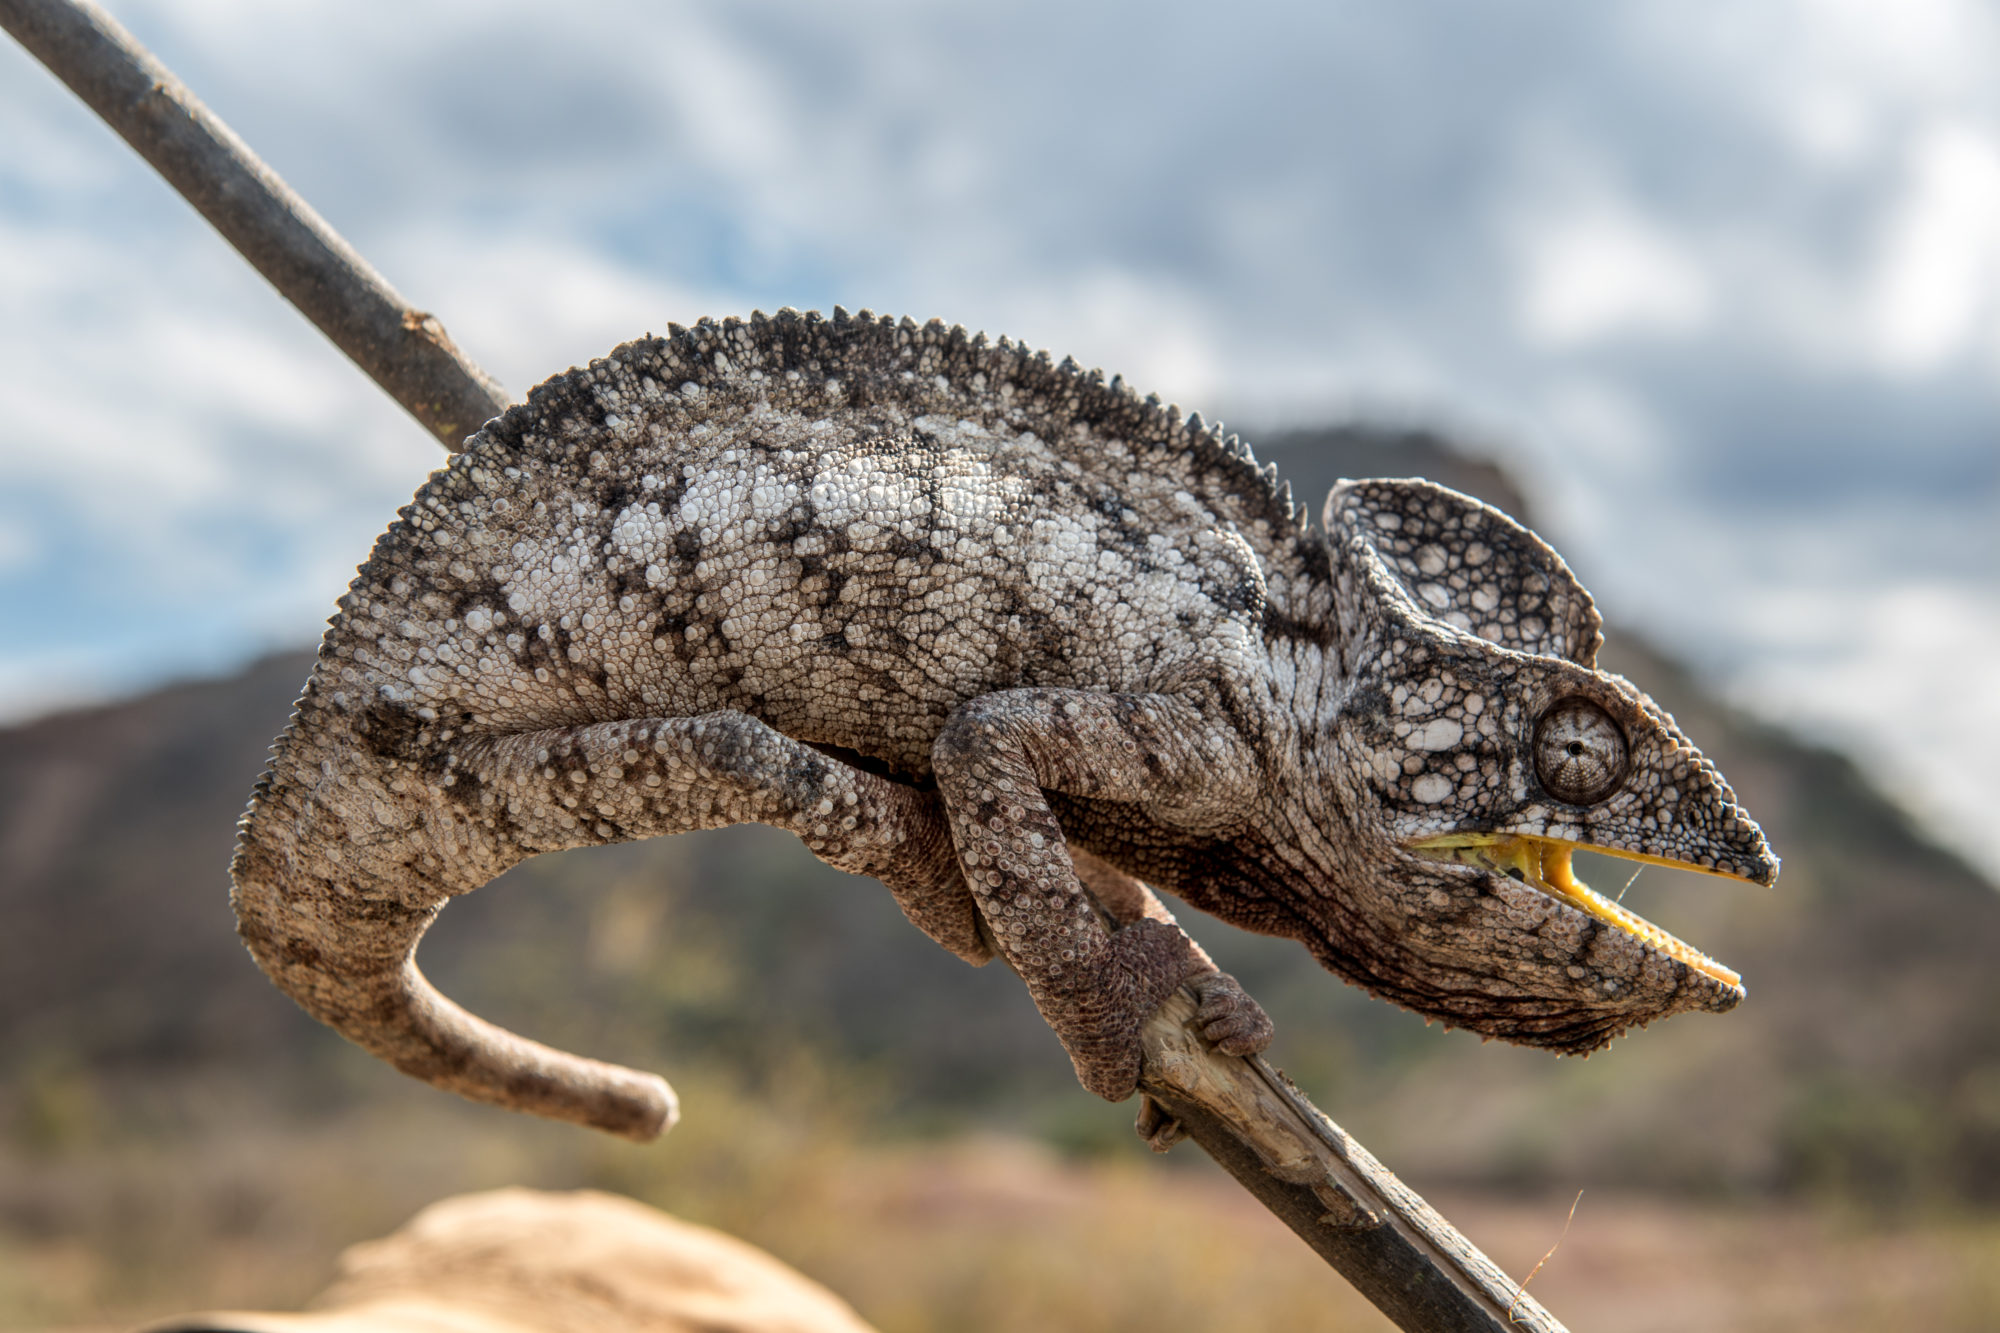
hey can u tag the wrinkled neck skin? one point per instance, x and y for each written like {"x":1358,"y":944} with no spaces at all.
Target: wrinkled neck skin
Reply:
{"x":1316,"y":861}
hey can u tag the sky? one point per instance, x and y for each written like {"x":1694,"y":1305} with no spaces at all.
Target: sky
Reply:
{"x":1720,"y":280}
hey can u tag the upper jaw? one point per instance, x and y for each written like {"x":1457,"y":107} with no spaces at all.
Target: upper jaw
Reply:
{"x":1544,"y":863}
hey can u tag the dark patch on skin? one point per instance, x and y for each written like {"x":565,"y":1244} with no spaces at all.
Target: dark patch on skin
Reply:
{"x":618,"y":494}
{"x":1586,"y":938}
{"x":390,"y":730}
{"x":795,"y":525}
{"x":475,"y":593}
{"x":558,"y":643}
{"x":1236,"y":709}
{"x":672,"y":487}
{"x":296,"y":952}
{"x":1278,"y":625}
{"x":836,"y":579}
{"x":672,"y":626}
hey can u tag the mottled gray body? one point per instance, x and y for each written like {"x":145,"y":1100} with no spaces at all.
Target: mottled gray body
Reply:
{"x":998,"y":633}
{"x":849,"y":574}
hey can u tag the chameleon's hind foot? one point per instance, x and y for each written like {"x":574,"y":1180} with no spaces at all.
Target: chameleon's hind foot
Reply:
{"x":1158,"y":1128}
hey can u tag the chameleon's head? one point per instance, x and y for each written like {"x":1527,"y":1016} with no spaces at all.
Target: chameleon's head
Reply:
{"x":1485,"y":748}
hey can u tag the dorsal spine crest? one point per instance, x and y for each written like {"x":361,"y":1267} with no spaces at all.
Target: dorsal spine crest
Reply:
{"x":852,"y":345}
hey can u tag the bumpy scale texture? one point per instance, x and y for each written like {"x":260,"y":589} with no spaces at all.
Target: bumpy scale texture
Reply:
{"x":997,"y":632}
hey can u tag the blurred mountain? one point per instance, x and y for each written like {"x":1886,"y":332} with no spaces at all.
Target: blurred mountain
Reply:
{"x":1866,"y":1061}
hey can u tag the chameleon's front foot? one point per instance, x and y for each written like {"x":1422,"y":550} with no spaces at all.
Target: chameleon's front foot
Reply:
{"x":1099,"y":1016}
{"x":1233,"y":1023}
{"x":1097,"y":1011}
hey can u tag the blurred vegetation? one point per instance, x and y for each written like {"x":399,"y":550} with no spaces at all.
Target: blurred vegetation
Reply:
{"x":173,"y":1133}
{"x":206,"y":1193}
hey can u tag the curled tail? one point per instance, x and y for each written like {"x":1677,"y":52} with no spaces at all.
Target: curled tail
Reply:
{"x":337,"y":876}
{"x":351,"y":846}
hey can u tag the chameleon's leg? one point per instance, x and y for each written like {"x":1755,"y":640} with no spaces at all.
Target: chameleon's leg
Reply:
{"x":621,"y":780}
{"x":1230,"y":1018}
{"x":994,"y":760}
{"x":1122,"y":898}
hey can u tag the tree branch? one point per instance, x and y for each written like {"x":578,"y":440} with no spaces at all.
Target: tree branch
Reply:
{"x":1353,"y":1212}
{"x":403,"y":349}
{"x":1325,"y":1186}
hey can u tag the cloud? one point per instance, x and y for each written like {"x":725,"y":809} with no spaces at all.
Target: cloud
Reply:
{"x":1723,"y":276}
{"x":1912,"y":667}
{"x":1602,"y":271}
{"x":1939,"y":270}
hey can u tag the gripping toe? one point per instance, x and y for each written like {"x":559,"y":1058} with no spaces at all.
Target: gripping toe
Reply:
{"x":1229,"y":1018}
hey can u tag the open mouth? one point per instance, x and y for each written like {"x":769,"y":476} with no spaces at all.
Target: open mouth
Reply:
{"x":1544,"y":863}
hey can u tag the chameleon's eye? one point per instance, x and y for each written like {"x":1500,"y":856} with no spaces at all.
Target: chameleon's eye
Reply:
{"x":1579,"y":752}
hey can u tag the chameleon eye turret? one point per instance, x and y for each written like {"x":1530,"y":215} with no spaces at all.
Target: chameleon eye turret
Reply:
{"x":1580,"y":753}
{"x":1011,"y":639}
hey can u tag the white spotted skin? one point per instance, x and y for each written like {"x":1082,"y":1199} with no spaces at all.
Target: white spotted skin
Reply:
{"x":849,"y":579}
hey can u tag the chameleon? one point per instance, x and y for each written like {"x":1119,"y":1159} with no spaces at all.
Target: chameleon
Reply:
{"x":1022,"y":645}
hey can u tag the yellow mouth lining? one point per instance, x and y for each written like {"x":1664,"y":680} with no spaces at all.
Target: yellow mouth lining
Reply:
{"x":1545,"y":864}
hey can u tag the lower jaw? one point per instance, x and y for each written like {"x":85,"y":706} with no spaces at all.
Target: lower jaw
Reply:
{"x":1545,"y":865}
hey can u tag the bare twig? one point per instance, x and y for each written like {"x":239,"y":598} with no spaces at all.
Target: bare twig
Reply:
{"x":403,"y":349}
{"x":1307,"y":1170}
{"x":1547,"y":1254}
{"x":1319,"y":1181}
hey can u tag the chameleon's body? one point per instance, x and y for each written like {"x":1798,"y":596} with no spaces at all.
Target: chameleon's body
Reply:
{"x":998,"y":633}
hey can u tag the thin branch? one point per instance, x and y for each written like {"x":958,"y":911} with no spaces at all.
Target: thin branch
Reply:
{"x":1307,"y":1170}
{"x":403,"y":349}
{"x":1320,"y":1182}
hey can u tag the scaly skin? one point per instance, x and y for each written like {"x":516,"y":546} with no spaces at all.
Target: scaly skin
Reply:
{"x":971,"y":623}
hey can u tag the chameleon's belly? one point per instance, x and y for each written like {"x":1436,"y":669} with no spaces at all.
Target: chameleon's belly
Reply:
{"x":846,"y":583}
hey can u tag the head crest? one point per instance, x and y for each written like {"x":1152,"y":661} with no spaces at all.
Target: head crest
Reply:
{"x":1414,"y":551}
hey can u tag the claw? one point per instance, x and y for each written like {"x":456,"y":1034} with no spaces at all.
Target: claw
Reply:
{"x":1229,"y":1018}
{"x":1160,"y":1130}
